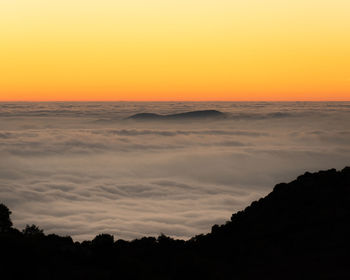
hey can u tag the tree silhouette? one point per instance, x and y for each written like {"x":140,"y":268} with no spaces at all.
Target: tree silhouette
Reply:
{"x":5,"y":221}
{"x":32,"y":230}
{"x":103,"y":241}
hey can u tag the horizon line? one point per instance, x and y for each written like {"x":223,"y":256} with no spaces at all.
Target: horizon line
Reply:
{"x":170,"y":100}
{"x":165,"y":101}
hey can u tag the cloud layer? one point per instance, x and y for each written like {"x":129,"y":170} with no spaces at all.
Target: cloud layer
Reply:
{"x":82,"y":169}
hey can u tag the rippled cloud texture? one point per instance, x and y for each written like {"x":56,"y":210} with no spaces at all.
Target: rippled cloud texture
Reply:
{"x":83,"y":169}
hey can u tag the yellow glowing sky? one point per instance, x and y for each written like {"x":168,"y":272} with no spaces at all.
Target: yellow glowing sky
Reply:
{"x":174,"y":50}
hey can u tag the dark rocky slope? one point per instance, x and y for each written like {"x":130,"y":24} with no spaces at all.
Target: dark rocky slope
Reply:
{"x":299,"y":231}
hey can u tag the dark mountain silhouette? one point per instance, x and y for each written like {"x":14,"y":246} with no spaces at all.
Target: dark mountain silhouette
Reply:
{"x":193,"y":115}
{"x":300,"y":230}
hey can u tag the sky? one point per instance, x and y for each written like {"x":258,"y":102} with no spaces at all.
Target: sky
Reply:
{"x":174,"y":50}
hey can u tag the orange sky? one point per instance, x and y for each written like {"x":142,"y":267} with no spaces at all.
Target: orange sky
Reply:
{"x":174,"y":50}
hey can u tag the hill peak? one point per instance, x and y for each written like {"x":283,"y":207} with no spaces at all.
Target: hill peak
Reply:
{"x":192,"y":115}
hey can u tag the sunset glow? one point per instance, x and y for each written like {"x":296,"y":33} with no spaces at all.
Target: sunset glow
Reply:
{"x":174,"y":50}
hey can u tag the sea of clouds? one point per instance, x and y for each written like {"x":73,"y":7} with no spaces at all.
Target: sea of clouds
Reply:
{"x":81,"y":169}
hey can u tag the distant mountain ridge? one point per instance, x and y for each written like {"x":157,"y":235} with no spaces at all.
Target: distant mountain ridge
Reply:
{"x":192,"y":115}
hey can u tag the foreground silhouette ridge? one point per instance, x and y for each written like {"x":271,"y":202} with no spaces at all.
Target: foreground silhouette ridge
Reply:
{"x":299,"y":231}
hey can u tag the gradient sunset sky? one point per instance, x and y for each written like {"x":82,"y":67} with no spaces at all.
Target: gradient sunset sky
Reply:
{"x":174,"y":50}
